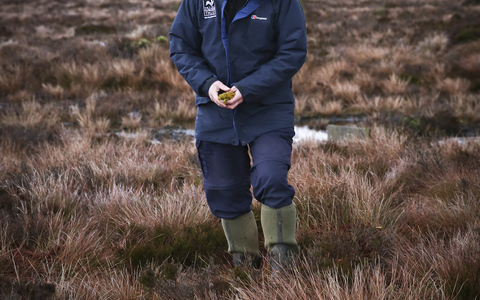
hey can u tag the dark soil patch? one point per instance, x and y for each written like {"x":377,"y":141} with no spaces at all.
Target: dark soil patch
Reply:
{"x":467,"y":33}
{"x":95,"y":29}
{"x":34,"y":290}
{"x":471,"y":2}
{"x":4,"y":31}
{"x":25,"y":138}
{"x":184,"y":245}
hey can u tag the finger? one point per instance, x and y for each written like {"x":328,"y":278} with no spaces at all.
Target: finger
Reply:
{"x":236,"y":90}
{"x":214,"y":97}
{"x":212,"y":92}
{"x":234,"y":103}
{"x":220,"y":103}
{"x":236,"y":97}
{"x":223,"y":87}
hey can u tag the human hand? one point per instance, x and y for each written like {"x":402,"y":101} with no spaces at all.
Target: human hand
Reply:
{"x":236,"y":100}
{"x":213,"y":92}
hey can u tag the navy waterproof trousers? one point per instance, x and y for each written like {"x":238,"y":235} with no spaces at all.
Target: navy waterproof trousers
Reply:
{"x":228,"y":173}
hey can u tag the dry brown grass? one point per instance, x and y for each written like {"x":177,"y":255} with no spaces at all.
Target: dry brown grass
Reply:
{"x":91,"y":206}
{"x":32,"y":115}
{"x":471,"y":63}
{"x":87,"y":119}
{"x":80,"y":204}
{"x":347,"y":91}
{"x":454,"y":87}
{"x":363,"y":283}
{"x":395,"y":85}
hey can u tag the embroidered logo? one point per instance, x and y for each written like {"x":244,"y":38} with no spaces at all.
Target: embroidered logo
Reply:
{"x":209,"y":9}
{"x":255,"y":17}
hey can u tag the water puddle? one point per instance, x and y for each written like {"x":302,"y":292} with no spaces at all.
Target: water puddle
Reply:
{"x":158,"y":135}
{"x":174,"y":133}
{"x":355,"y":119}
{"x":302,"y":134}
{"x":460,"y":140}
{"x":305,"y":134}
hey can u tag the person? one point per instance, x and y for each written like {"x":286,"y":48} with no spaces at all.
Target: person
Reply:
{"x":252,"y":48}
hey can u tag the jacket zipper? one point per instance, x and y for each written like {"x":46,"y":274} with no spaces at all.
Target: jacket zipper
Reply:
{"x":228,"y":63}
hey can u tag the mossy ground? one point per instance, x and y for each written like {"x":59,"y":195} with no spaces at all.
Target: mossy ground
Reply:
{"x":190,"y":246}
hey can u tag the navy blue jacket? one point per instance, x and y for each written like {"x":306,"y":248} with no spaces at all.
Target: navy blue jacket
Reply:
{"x":264,"y":47}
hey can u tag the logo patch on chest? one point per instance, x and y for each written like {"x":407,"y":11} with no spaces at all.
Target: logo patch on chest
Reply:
{"x":255,"y":17}
{"x":209,"y":9}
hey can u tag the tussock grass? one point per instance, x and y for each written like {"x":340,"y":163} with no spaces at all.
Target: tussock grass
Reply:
{"x":91,"y":208}
{"x":391,"y":216}
{"x":364,"y":283}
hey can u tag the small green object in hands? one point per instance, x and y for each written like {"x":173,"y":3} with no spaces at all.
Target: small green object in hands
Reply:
{"x":226,"y":96}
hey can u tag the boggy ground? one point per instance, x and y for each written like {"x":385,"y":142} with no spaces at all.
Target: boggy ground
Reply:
{"x":89,"y":214}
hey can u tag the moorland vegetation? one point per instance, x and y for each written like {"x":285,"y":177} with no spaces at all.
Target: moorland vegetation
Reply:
{"x":94,"y":205}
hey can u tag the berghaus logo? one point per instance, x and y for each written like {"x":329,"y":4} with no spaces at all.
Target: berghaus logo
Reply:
{"x":255,"y":17}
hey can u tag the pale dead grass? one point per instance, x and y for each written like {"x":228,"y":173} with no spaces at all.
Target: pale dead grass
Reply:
{"x":6,"y":244}
{"x":367,"y":53}
{"x":156,"y":58}
{"x":305,"y":81}
{"x":126,"y":71}
{"x":167,"y":114}
{"x":395,"y":85}
{"x":77,"y":202}
{"x":471,"y":63}
{"x":348,"y":91}
{"x":109,"y":282}
{"x":81,"y":80}
{"x":20,"y":96}
{"x":386,"y":68}
{"x":364,"y":283}
{"x":124,"y":207}
{"x":87,"y":120}
{"x":82,"y":193}
{"x":11,"y":78}
{"x":454,"y":87}
{"x":332,"y":190}
{"x":466,"y":106}
{"x":434,"y":44}
{"x":332,"y":71}
{"x":132,"y":121}
{"x":69,"y":208}
{"x":32,"y":115}
{"x":379,"y":104}
{"x":453,"y":261}
{"x":328,"y":108}
{"x":365,"y":81}
{"x":317,"y":105}
{"x":56,"y":91}
{"x":301,"y":105}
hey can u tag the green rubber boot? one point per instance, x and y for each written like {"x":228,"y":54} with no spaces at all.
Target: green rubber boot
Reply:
{"x":279,"y":230}
{"x":242,"y":238}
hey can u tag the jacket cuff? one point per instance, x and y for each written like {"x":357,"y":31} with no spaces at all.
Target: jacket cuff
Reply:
{"x":206,"y":86}
{"x":241,"y":89}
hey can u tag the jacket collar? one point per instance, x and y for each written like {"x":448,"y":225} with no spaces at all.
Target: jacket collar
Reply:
{"x":250,"y":7}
